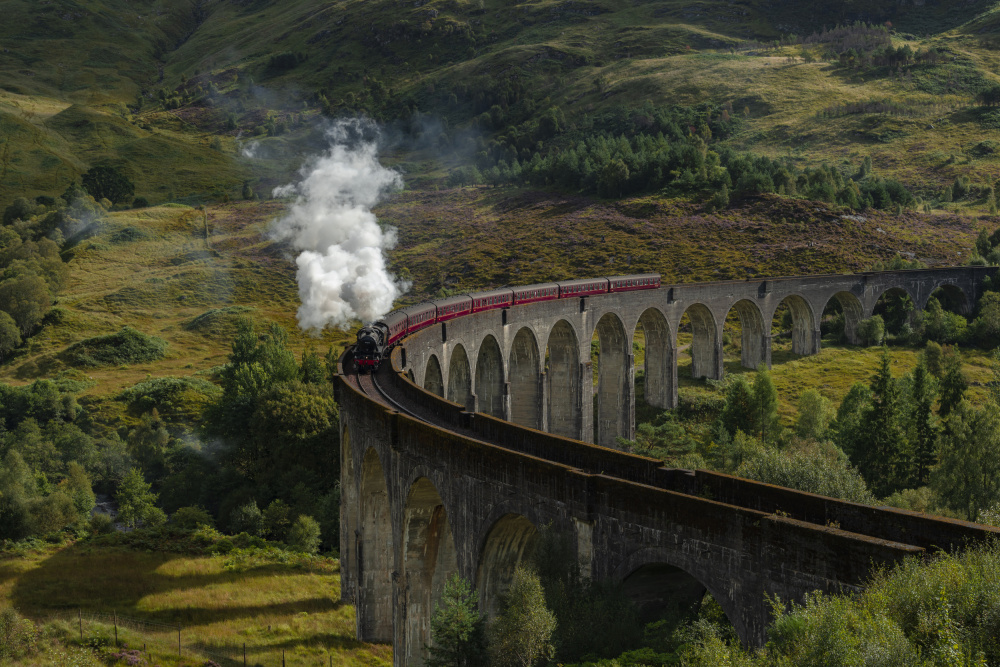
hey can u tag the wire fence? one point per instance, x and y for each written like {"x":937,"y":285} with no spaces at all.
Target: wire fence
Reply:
{"x":142,"y":637}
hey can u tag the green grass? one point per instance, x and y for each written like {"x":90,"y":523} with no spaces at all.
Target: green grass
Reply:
{"x":217,"y":601}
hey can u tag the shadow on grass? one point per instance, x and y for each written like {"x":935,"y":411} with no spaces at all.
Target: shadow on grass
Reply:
{"x":104,"y":579}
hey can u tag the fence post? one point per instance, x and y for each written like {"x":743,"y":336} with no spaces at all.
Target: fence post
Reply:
{"x":178,"y":641}
{"x":244,"y":654}
{"x":282,"y":657}
{"x":116,"y":628}
{"x":80,"y":616}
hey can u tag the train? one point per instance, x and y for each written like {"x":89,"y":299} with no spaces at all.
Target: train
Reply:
{"x":378,"y":338}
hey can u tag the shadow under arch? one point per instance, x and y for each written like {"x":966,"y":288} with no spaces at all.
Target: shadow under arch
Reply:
{"x":705,"y":353}
{"x":459,"y":376}
{"x":658,"y":363}
{"x":612,"y":417}
{"x":564,"y":377}
{"x":753,"y":334}
{"x":429,"y":558}
{"x":897,"y":306}
{"x":952,"y":298}
{"x":805,"y":331}
{"x":853,"y":311}
{"x":490,"y":378}
{"x":524,"y":369}
{"x":374,"y":553}
{"x":654,"y":567}
{"x":433,"y":380}
{"x":511,"y":540}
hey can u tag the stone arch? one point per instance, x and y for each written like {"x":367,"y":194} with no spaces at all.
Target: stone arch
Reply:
{"x":705,"y":354}
{"x":374,"y":553}
{"x":805,"y":329}
{"x":429,"y":558}
{"x":754,"y":336}
{"x":459,"y":376}
{"x":853,"y":311}
{"x":653,"y":566}
{"x":510,"y":541}
{"x":525,"y":380}
{"x":955,"y":297}
{"x":565,"y":381}
{"x":613,"y":416}
{"x":490,"y":378}
{"x":658,"y":365}
{"x":433,"y":380}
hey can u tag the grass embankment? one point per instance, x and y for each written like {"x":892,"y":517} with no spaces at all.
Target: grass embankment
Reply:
{"x":219,"y":601}
{"x":834,"y":370}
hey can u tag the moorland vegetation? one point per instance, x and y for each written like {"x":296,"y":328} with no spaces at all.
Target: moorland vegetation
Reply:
{"x":146,"y":320}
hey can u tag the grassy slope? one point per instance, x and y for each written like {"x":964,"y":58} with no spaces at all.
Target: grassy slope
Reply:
{"x":270,"y":608}
{"x":72,"y":79}
{"x":160,"y":285}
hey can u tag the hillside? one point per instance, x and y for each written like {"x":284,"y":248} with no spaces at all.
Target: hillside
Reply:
{"x":174,"y":91}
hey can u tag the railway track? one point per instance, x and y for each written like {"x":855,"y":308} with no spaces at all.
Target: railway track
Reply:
{"x":383,"y":392}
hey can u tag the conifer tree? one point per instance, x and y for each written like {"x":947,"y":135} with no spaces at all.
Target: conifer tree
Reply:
{"x":765,"y":402}
{"x":880,"y":450}
{"x":953,"y":384}
{"x":457,"y":627}
{"x":925,"y":433}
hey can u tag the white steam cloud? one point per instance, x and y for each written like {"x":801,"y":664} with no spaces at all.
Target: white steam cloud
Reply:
{"x":342,"y":271}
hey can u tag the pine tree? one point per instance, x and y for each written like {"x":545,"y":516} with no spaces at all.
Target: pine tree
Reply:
{"x":880,"y":447}
{"x":457,"y":627}
{"x":953,"y":384}
{"x":739,"y":412}
{"x":765,"y":402}
{"x":925,"y":433}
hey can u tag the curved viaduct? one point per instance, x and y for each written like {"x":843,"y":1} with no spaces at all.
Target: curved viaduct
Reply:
{"x":477,"y":436}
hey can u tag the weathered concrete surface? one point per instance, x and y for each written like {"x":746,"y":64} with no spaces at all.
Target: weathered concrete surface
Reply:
{"x":420,"y":501}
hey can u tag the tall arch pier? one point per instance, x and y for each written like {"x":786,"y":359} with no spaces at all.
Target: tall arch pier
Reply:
{"x":459,"y":469}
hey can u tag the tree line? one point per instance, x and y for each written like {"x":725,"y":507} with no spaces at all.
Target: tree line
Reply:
{"x":631,"y":150}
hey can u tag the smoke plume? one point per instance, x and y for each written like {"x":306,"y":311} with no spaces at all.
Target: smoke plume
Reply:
{"x":342,"y":272}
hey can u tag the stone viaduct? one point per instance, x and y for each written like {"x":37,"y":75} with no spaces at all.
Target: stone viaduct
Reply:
{"x":477,"y":436}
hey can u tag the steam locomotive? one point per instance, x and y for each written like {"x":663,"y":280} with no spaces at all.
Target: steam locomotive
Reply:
{"x":372,"y":346}
{"x":376,"y":339}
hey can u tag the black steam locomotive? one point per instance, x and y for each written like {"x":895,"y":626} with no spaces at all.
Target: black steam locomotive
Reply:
{"x":372,"y":346}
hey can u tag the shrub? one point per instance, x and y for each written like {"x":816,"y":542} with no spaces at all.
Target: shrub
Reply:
{"x":101,"y":524}
{"x":871,"y":330}
{"x":107,"y":182}
{"x":129,"y":234}
{"x":10,"y":335}
{"x":128,"y":346}
{"x":277,"y":520}
{"x":218,"y":321}
{"x":247,"y":519}
{"x":189,"y":518}
{"x":140,"y":202}
{"x":167,"y":394}
{"x":304,"y":535}
{"x":813,"y":472}
{"x":18,"y":636}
